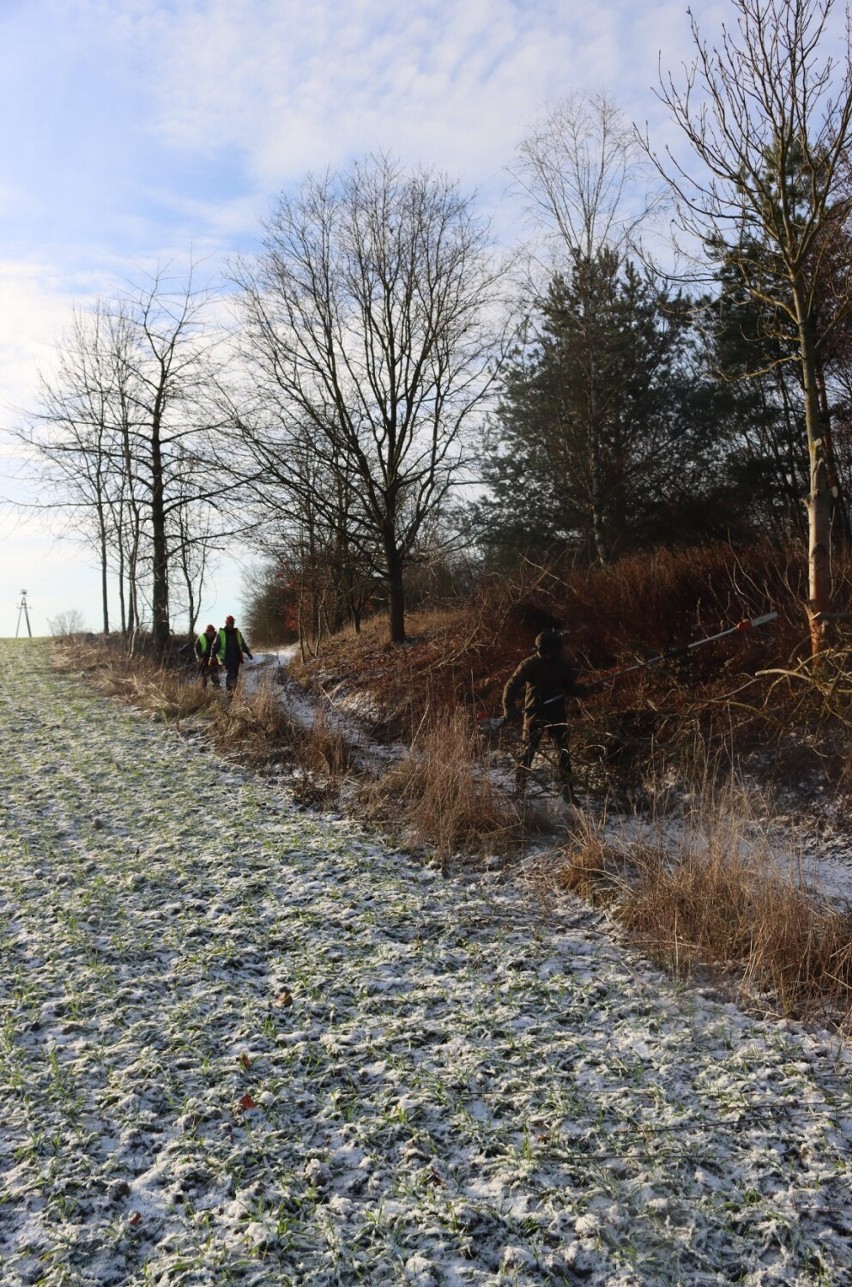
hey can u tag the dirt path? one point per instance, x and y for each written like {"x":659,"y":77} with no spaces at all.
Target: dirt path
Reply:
{"x":244,"y":1044}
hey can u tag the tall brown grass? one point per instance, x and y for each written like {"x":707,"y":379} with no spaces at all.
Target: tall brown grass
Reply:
{"x":712,"y":897}
{"x":441,"y":794}
{"x":256,"y":727}
{"x":639,"y":607}
{"x":165,"y":694}
{"x":720,"y":900}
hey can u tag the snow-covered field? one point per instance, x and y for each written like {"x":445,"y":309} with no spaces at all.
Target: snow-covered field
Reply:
{"x":246,"y":1044}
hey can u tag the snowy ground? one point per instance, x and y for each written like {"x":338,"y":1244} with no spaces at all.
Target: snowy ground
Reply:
{"x":245,"y":1044}
{"x":816,"y":848}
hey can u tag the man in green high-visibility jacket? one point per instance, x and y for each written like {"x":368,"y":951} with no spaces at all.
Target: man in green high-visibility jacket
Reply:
{"x":231,"y":647}
{"x":208,"y":665}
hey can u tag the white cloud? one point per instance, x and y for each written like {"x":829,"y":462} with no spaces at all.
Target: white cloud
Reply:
{"x":295,"y":87}
{"x":136,"y":131}
{"x":35,"y":310}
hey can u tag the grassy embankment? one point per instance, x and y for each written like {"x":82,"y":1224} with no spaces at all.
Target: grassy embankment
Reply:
{"x":710,"y":739}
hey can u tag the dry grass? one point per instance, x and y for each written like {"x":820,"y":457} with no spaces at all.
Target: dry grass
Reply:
{"x":712,"y":898}
{"x":441,"y":794}
{"x":460,"y":655}
{"x":257,"y":729}
{"x":166,"y":694}
{"x":592,"y":867}
{"x":254,"y":727}
{"x":324,"y":750}
{"x":744,"y":918}
{"x":721,"y":901}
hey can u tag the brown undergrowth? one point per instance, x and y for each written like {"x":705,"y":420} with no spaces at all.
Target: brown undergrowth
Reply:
{"x":746,"y":693}
{"x":441,"y":795}
{"x":718,"y":899}
{"x":448,"y":661}
{"x":254,"y":727}
{"x":140,"y":681}
{"x":463,"y":652}
{"x":703,"y":899}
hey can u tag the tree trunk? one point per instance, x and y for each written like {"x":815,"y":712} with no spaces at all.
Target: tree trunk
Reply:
{"x":300,"y":621}
{"x":104,"y":572}
{"x":595,"y":469}
{"x":396,"y":592}
{"x":840,"y":528}
{"x":819,"y":501}
{"x":121,"y":602}
{"x":818,"y":507}
{"x":160,"y":560}
{"x":133,"y":586}
{"x":596,"y":488}
{"x":105,"y":593}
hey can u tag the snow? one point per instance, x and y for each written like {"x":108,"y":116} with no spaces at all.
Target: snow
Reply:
{"x":447,"y":1084}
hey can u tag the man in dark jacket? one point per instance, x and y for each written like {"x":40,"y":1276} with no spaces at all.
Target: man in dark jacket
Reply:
{"x":208,"y":665}
{"x":230,"y":650}
{"x":546,"y":679}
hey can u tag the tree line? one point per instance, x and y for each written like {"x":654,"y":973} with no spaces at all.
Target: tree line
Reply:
{"x":378,"y":386}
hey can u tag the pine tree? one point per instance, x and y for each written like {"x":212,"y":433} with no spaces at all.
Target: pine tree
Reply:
{"x":608,"y":434}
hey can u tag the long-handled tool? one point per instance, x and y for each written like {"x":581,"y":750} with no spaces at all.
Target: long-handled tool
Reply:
{"x":753,"y":623}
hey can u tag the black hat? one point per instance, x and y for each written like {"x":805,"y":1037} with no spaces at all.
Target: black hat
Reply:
{"x":548,"y":641}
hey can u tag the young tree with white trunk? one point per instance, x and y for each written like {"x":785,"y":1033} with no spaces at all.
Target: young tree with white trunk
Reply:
{"x":767,"y":114}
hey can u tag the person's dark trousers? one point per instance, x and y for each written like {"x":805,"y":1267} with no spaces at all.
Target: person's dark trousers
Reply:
{"x":532,"y":736}
{"x":232,"y":675}
{"x":209,"y":670}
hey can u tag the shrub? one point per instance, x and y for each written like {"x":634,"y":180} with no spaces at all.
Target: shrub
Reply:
{"x":719,"y":899}
{"x":441,"y":793}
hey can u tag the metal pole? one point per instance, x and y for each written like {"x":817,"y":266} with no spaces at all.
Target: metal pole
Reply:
{"x":23,"y":610}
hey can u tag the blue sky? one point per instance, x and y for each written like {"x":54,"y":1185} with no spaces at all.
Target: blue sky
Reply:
{"x":136,"y":132}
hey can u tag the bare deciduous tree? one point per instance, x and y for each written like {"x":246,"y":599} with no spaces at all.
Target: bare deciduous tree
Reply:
{"x":67,"y":623}
{"x":169,"y":364}
{"x":370,"y":319}
{"x":585,"y":177}
{"x":769,"y":118}
{"x":74,"y":439}
{"x":119,"y":445}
